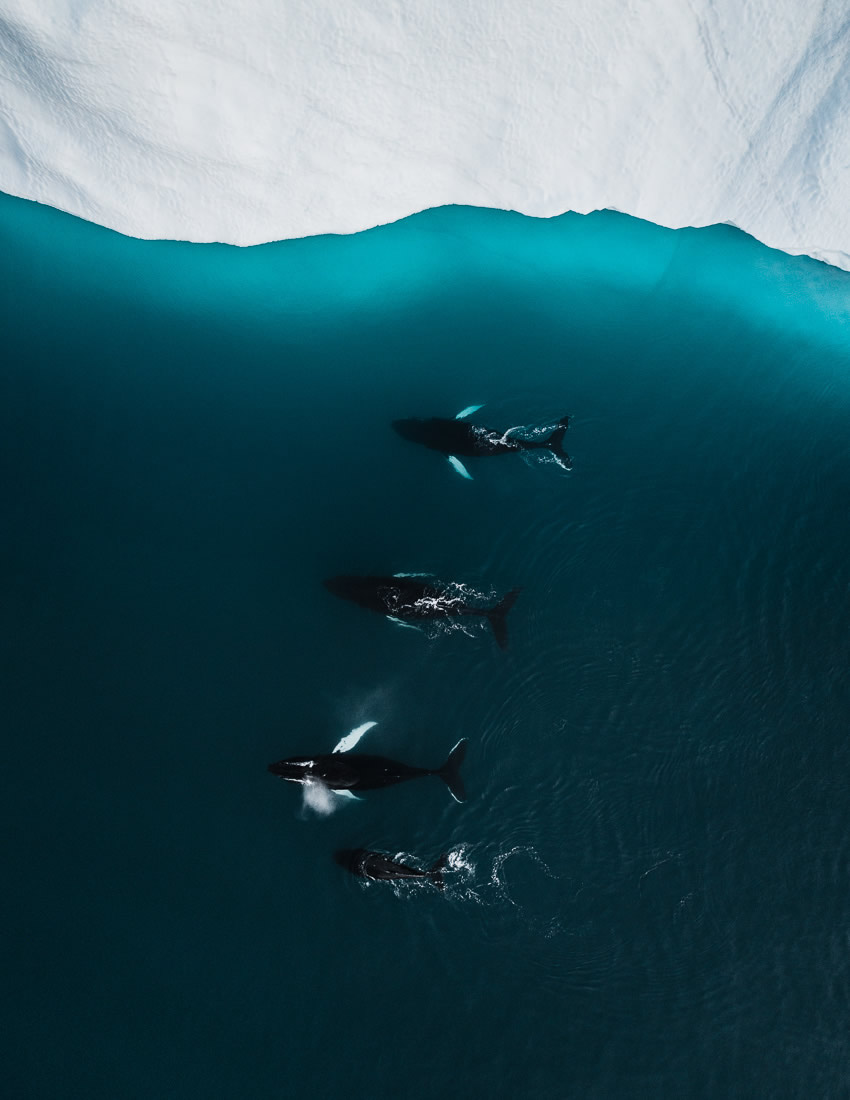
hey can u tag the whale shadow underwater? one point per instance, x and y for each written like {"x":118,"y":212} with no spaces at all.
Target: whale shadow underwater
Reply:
{"x":411,"y":599}
{"x":458,"y":437}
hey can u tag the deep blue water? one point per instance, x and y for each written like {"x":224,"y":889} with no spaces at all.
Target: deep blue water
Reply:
{"x":649,"y":886}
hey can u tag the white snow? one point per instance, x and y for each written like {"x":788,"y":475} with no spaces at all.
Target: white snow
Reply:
{"x":265,"y":119}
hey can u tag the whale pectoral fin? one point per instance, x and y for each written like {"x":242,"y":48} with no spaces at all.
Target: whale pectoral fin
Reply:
{"x":563,"y":462}
{"x":401,"y":622}
{"x":346,"y":794}
{"x":350,"y":740}
{"x":468,"y":411}
{"x":459,"y":466}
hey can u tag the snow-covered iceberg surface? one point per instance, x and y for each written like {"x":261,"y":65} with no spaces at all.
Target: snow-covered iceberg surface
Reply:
{"x":264,"y":120}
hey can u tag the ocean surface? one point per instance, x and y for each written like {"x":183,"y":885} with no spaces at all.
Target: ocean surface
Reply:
{"x":648,"y":891}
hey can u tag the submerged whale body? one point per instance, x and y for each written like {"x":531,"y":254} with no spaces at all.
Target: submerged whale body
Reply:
{"x":413,"y":599}
{"x":376,"y":865}
{"x":350,"y":772}
{"x":458,"y":437}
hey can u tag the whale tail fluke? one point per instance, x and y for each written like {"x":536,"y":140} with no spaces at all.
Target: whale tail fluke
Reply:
{"x":435,"y":873}
{"x":555,"y":443}
{"x":450,"y":771}
{"x":498,"y":617}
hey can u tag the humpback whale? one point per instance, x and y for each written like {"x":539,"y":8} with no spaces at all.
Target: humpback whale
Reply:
{"x":350,"y":772}
{"x":375,"y":865}
{"x":409,"y":598}
{"x":458,"y":437}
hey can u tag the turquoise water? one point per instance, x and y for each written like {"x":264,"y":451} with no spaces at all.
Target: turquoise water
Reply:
{"x":648,"y":886}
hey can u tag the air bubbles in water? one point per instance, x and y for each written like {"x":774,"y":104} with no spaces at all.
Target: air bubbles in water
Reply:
{"x":318,"y":799}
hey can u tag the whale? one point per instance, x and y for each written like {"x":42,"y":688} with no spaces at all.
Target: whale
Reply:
{"x":459,"y":438}
{"x":408,"y":598}
{"x":376,"y":865}
{"x":353,"y":772}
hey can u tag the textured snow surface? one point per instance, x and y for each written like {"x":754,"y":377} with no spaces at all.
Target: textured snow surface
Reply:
{"x":265,"y":119}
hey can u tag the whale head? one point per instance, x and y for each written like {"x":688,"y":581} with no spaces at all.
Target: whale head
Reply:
{"x":417,"y":431}
{"x":297,"y":771}
{"x":347,"y":857}
{"x":346,"y":587}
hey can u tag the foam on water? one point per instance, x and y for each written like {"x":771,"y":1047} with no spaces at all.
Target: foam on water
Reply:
{"x":319,"y":799}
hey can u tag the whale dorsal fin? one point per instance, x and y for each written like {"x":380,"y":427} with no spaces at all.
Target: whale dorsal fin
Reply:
{"x":468,"y":411}
{"x":350,"y":740}
{"x":459,"y":466}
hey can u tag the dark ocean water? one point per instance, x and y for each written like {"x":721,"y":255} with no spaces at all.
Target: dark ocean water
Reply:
{"x":649,"y":886}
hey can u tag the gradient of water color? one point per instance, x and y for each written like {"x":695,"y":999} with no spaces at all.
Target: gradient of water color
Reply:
{"x":647,"y":893}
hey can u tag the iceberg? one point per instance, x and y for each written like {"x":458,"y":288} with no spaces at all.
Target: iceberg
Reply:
{"x":262,"y":121}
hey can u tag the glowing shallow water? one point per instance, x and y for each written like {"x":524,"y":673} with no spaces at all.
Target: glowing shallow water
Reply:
{"x":647,"y":893}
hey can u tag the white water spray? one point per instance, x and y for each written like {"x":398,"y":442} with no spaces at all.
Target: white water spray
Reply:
{"x":319,"y":799}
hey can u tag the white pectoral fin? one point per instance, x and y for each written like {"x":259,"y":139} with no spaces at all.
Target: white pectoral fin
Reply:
{"x":459,"y":466}
{"x":468,"y":411}
{"x":401,"y":622}
{"x":350,"y":740}
{"x":345,"y":794}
